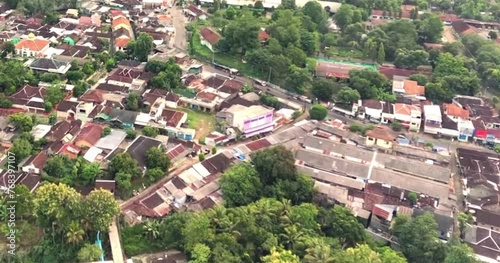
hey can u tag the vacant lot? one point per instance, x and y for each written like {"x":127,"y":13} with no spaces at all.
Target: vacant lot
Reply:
{"x":448,"y":35}
{"x":202,"y":122}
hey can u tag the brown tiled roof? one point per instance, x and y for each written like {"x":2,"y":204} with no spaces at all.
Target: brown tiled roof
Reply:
{"x":176,"y":151}
{"x":67,"y":105}
{"x":390,"y":72}
{"x":372,"y":104}
{"x":31,"y":181}
{"x":112,"y":88}
{"x":217,"y":163}
{"x":258,"y":144}
{"x":462,"y":28}
{"x":92,"y":96}
{"x":171,"y":97}
{"x":60,"y":129}
{"x":231,"y":86}
{"x":197,"y":11}
{"x":105,"y":184}
{"x":209,"y":35}
{"x":381,"y":132}
{"x":23,"y":96}
{"x":90,"y":133}
{"x":171,"y":117}
{"x":97,"y":109}
{"x":206,"y":96}
{"x":406,"y":11}
{"x":129,"y":73}
{"x":488,"y":217}
{"x":38,"y":160}
{"x":152,"y":201}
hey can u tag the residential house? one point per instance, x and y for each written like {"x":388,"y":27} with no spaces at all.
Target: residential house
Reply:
{"x":460,"y":28}
{"x":109,"y":185}
{"x":31,"y":181}
{"x":35,"y":163}
{"x":388,"y":112}
{"x":50,"y":65}
{"x":68,"y":149}
{"x":209,"y":38}
{"x":194,"y":12}
{"x":135,"y":80}
{"x":408,"y":88}
{"x":111,"y":141}
{"x":432,"y":119}
{"x":116,"y":117}
{"x":204,"y":101}
{"x":485,"y":242}
{"x":449,"y":127}
{"x":139,"y":147}
{"x":152,"y":4}
{"x":216,"y":138}
{"x":335,"y":70}
{"x":370,"y":109}
{"x":31,"y":46}
{"x":381,"y":136}
{"x":64,"y":131}
{"x":30,"y":99}
{"x":88,"y":136}
{"x":150,"y":96}
{"x":455,"y":112}
{"x":410,"y":116}
{"x":251,"y":120}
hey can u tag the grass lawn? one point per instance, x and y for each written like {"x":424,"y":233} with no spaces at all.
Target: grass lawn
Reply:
{"x":346,"y":52}
{"x":202,"y":122}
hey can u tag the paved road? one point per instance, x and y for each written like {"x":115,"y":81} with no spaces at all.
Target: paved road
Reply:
{"x":180,"y":37}
{"x":114,"y":240}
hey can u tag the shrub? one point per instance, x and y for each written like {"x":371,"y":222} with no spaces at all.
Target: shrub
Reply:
{"x":106,"y":131}
{"x":413,"y":198}
{"x":214,"y":150}
{"x":318,"y":112}
{"x":396,"y":126}
{"x":150,"y":131}
{"x":201,"y":157}
{"x":131,"y":134}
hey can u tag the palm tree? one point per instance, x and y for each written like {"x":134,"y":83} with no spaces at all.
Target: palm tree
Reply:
{"x":318,"y":252}
{"x":292,"y":236}
{"x":151,"y":229}
{"x":75,"y":233}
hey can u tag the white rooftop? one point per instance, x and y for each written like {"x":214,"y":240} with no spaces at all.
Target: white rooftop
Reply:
{"x":92,"y":154}
{"x":40,"y":131}
{"x":111,"y":141}
{"x":432,"y":112}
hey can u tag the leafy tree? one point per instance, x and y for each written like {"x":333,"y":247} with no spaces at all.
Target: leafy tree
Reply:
{"x":319,"y":252}
{"x":346,"y":16}
{"x":154,"y":174}
{"x":141,"y":47}
{"x":362,"y":253}
{"x":21,"y":149}
{"x":123,"y":163}
{"x":389,"y":255}
{"x":47,"y":106}
{"x":463,"y":220}
{"x":214,"y":150}
{"x":413,"y":197}
{"x":419,"y":78}
{"x":102,"y":209}
{"x":493,"y":35}
{"x":431,"y":29}
{"x":323,"y":89}
{"x":88,"y":172}
{"x":411,"y":58}
{"x":296,"y":55}
{"x":5,"y":102}
{"x":381,"y":54}
{"x":340,"y":222}
{"x":89,"y":252}
{"x":74,"y":76}
{"x":53,"y":203}
{"x":298,"y":79}
{"x":8,"y":48}
{"x":348,"y":96}
{"x":318,"y":112}
{"x":401,"y":34}
{"x":133,"y":102}
{"x":418,"y":239}
{"x":367,"y":82}
{"x":460,"y":253}
{"x":269,"y":100}
{"x":123,"y":180}
{"x":150,"y":131}
{"x":157,"y":158}
{"x":201,"y":254}
{"x":284,"y":256}
{"x":197,"y":230}
{"x":58,"y":166}
{"x":241,"y":185}
{"x":315,"y":11}
{"x":240,"y":35}
{"x":22,"y":121}
{"x":24,"y":201}
{"x":247,"y":88}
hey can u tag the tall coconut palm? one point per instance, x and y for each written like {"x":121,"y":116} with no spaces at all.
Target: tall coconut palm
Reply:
{"x":292,"y":236}
{"x":319,"y":252}
{"x":75,"y":233}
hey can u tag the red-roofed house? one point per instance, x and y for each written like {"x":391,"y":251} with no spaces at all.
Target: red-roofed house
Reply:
{"x":408,"y":88}
{"x":35,"y":163}
{"x":29,"y":98}
{"x":194,"y":12}
{"x":85,"y":21}
{"x":89,"y":135}
{"x":263,"y":36}
{"x":209,"y":37}
{"x":69,"y":150}
{"x":409,"y":115}
{"x":407,"y":10}
{"x":455,"y":112}
{"x":31,"y":46}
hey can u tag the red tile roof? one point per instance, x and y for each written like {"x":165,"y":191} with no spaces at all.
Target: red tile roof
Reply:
{"x":176,"y":151}
{"x":449,"y":17}
{"x":210,"y":35}
{"x":92,"y":96}
{"x":412,"y":88}
{"x":119,"y":21}
{"x":263,"y":35}
{"x":406,"y":11}
{"x":455,"y":111}
{"x":122,"y":42}
{"x":38,"y":160}
{"x":390,"y":72}
{"x":405,"y":109}
{"x":85,"y":20}
{"x":90,"y":134}
{"x":33,"y":44}
{"x":376,"y":12}
{"x":382,"y":133}
{"x":172,"y":117}
{"x":206,"y":96}
{"x":69,"y":150}
{"x":257,"y":145}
